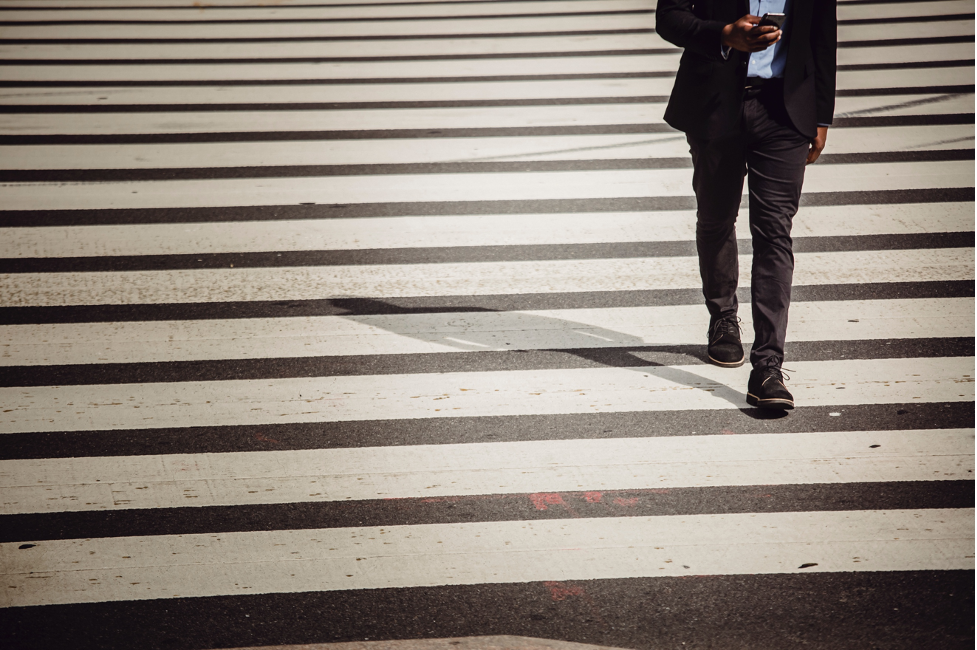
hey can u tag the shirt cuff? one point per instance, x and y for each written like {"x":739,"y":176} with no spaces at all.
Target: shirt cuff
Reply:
{"x":820,"y":124}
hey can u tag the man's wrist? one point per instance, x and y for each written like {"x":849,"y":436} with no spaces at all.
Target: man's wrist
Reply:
{"x":724,"y":37}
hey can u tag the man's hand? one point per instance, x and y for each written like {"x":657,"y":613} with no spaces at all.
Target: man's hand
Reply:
{"x":817,"y":144}
{"x":744,"y":36}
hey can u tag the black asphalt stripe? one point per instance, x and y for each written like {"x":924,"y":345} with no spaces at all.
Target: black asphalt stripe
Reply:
{"x":36,"y":218}
{"x":297,"y":171}
{"x":404,"y":134}
{"x":848,"y":3}
{"x":319,"y":106}
{"x":380,"y":134}
{"x":908,"y":65}
{"x":350,"y":59}
{"x":841,"y":611}
{"x":463,"y":254}
{"x":932,"y":40}
{"x":135,"y":83}
{"x":318,"y":39}
{"x":907,"y":90}
{"x":925,"y":18}
{"x":441,"y":304}
{"x":167,"y":83}
{"x":358,"y":19}
{"x":437,"y":57}
{"x":895,"y":42}
{"x":442,"y":431}
{"x":375,"y":19}
{"x":278,"y":6}
{"x":633,"y":356}
{"x":915,"y":495}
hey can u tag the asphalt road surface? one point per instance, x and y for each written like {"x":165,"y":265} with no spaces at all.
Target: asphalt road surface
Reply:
{"x":333,"y":321}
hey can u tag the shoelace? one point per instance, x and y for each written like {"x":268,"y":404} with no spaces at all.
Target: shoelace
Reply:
{"x":726,"y":326}
{"x":780,"y":374}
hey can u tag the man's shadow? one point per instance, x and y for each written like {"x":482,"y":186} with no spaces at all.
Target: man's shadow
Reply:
{"x":478,"y":329}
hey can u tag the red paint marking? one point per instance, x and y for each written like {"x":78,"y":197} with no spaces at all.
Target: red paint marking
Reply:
{"x":544,"y":499}
{"x":262,"y":438}
{"x":592,"y":497}
{"x":560,"y":590}
{"x":727,"y":432}
{"x":627,"y":503}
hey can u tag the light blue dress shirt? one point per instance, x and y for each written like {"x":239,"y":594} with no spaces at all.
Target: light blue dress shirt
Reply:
{"x":770,"y":62}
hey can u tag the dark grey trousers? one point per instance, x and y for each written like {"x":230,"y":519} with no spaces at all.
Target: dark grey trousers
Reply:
{"x":772,"y":154}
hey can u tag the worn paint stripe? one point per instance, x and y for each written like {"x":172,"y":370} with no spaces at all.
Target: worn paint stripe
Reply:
{"x":471,"y":394}
{"x":453,"y":187}
{"x":463,"y":231}
{"x":301,"y":154}
{"x":154,"y":342}
{"x":452,"y":279}
{"x":73,"y":571}
{"x":406,"y":472}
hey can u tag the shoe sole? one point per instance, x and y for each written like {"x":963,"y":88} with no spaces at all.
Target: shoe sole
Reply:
{"x":773,"y":404}
{"x":727,"y":364}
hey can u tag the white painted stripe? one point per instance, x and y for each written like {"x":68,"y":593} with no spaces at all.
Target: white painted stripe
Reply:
{"x":440,"y":47}
{"x":905,"y":53}
{"x":471,"y":91}
{"x":434,"y":150}
{"x":435,"y":118}
{"x":867,"y":79}
{"x":353,"y":70}
{"x":358,"y":48}
{"x":266,"y":338}
{"x":457,"y":279}
{"x":378,"y":10}
{"x":515,"y":186}
{"x":420,"y":27}
{"x":636,"y":64}
{"x":903,"y":105}
{"x":898,"y":9}
{"x":450,"y":27}
{"x":139,"y":568}
{"x":885,"y":9}
{"x":447,"y":231}
{"x":471,"y":394}
{"x":474,"y":8}
{"x":400,"y":472}
{"x":331,"y":120}
{"x":210,"y":3}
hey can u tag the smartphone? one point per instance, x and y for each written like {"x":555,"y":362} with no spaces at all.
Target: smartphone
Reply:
{"x":772,"y":20}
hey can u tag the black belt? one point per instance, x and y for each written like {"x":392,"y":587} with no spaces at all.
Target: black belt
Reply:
{"x":756,"y":85}
{"x":761,"y":82}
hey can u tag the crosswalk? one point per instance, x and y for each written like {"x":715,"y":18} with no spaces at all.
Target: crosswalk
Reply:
{"x":374,"y":320}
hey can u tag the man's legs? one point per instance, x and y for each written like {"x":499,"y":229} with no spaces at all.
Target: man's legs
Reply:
{"x":720,"y":165}
{"x":776,"y":157}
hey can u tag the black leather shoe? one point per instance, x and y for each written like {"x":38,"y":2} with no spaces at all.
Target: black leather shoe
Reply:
{"x":766,"y":390}
{"x":725,"y":348}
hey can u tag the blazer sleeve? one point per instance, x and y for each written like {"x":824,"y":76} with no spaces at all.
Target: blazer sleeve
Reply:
{"x":824,"y":46}
{"x":677,"y":23}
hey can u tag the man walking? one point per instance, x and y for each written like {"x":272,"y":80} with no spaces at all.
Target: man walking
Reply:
{"x":753,"y":100}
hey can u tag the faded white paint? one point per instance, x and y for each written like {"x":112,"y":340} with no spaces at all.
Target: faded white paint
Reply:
{"x":471,"y":394}
{"x":289,"y":561}
{"x":315,"y":475}
{"x":257,"y":338}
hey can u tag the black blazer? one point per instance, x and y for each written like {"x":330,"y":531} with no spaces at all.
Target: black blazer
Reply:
{"x":708,"y":95}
